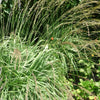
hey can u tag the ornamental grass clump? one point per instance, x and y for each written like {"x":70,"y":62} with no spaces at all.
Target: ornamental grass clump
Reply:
{"x":37,"y":77}
{"x":40,"y":37}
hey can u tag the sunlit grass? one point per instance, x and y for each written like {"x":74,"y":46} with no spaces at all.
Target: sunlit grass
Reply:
{"x":38,"y":75}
